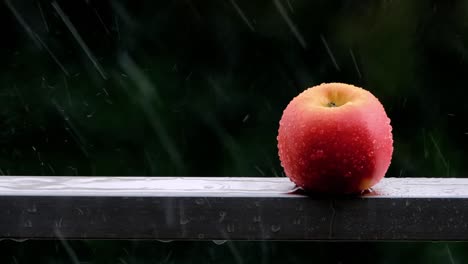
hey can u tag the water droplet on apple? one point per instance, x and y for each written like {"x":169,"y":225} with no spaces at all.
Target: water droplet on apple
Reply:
{"x":317,"y":154}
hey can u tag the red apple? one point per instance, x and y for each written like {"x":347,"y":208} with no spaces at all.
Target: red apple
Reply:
{"x":335,"y":138}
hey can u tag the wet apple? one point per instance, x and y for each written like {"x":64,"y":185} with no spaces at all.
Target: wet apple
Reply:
{"x":335,"y":138}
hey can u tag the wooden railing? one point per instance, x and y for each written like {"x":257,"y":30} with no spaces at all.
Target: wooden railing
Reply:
{"x":168,"y":208}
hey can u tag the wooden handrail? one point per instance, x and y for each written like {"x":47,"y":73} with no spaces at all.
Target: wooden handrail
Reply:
{"x":222,"y":208}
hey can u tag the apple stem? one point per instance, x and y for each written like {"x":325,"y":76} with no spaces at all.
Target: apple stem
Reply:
{"x":331,"y":104}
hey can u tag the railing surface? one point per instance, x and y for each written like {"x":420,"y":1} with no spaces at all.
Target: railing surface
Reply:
{"x":216,"y":208}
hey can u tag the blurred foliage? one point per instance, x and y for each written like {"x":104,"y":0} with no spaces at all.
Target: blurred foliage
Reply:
{"x":198,"y":87}
{"x":129,"y":252}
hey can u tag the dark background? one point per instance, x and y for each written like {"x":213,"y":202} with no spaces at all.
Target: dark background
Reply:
{"x":197,"y":88}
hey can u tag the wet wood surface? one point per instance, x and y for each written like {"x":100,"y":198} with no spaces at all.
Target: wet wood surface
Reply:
{"x":222,"y":208}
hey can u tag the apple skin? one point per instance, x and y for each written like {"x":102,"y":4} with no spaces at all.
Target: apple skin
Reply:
{"x":335,"y":138}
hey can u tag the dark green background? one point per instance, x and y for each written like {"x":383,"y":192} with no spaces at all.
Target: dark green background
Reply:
{"x":196,"y":88}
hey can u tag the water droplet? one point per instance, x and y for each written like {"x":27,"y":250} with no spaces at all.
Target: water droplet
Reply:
{"x":230,"y":228}
{"x":32,"y":209}
{"x":28,"y":223}
{"x":80,"y":212}
{"x":184,"y":220}
{"x":58,"y":223}
{"x":219,"y":242}
{"x":257,"y":219}
{"x":317,"y":154}
{"x":275,"y":228}
{"x":19,"y":239}
{"x":222,"y":215}
{"x":165,"y":240}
